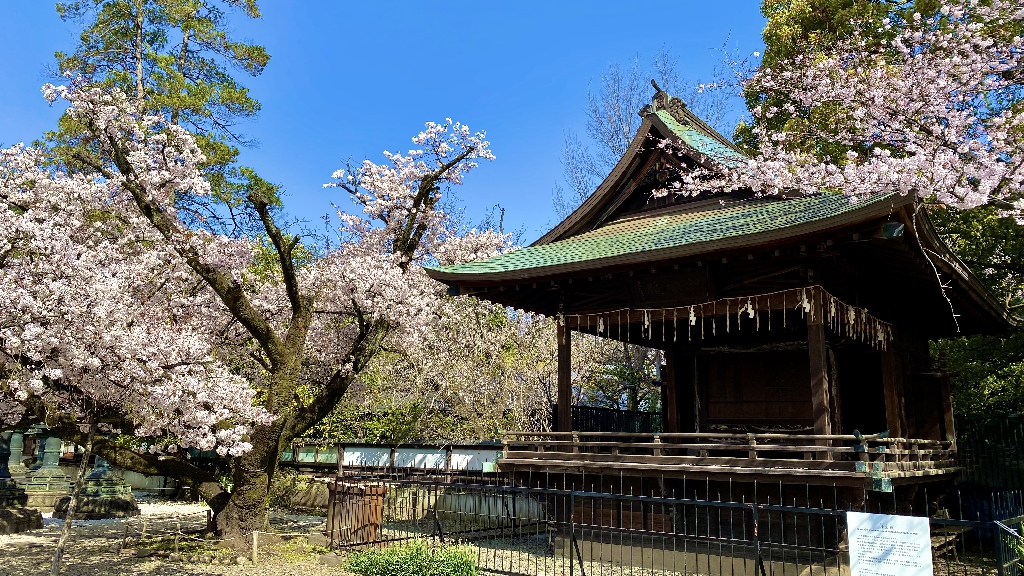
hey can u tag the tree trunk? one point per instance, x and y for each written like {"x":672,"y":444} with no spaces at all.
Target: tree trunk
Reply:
{"x":69,"y":519}
{"x":247,"y":509}
{"x":140,"y":20}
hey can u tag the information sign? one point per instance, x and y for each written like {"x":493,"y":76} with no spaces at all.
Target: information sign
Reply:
{"x":885,"y":545}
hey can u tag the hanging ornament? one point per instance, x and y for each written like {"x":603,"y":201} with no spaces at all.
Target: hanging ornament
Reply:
{"x":784,"y":309}
{"x":662,"y":324}
{"x":810,"y":306}
{"x":728,"y":308}
{"x":600,"y":324}
{"x":832,"y":312}
{"x":675,"y":313}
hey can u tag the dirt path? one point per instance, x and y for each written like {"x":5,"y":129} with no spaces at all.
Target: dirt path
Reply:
{"x":92,"y":550}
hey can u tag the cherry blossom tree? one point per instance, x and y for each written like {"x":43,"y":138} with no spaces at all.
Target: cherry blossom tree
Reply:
{"x":928,"y":107}
{"x":192,"y":338}
{"x":480,"y":369}
{"x":95,"y":327}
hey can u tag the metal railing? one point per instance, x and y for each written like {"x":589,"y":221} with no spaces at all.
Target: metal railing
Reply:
{"x":595,"y":419}
{"x":1009,"y":547}
{"x":991,"y":449}
{"x":677,"y":528}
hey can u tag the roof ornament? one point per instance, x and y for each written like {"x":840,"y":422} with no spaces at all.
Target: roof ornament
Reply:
{"x":664,"y":101}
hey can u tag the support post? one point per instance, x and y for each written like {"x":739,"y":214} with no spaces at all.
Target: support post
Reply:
{"x":834,"y":395}
{"x":564,"y":378}
{"x":948,"y":426}
{"x":684,"y":383}
{"x":820,"y":404}
{"x":892,"y":382}
{"x":670,"y":406}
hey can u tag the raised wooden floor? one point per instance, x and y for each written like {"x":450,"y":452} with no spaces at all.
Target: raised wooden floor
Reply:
{"x":873,"y":461}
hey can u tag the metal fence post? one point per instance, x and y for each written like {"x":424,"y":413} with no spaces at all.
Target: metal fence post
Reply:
{"x":572,"y":530}
{"x":757,"y":539}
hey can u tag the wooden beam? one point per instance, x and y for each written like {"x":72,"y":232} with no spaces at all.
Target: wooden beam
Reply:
{"x":892,"y":382}
{"x":670,"y":407}
{"x":820,"y":404}
{"x":564,"y":378}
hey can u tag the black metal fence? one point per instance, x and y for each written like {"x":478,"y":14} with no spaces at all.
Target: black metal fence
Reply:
{"x":991,"y":451}
{"x":545,"y":526}
{"x":593,"y":419}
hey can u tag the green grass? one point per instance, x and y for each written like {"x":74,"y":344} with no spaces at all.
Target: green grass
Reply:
{"x":415,"y":559}
{"x":185,"y":546}
{"x":296,"y":550}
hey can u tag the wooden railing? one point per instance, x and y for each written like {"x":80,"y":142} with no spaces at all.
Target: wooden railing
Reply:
{"x":865,"y":455}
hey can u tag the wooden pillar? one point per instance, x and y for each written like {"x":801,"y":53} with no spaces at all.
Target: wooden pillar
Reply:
{"x":684,"y":374}
{"x":892,"y":382}
{"x":564,"y":378}
{"x":835,"y":397}
{"x":948,"y":426}
{"x":670,"y":406}
{"x":818,"y":355}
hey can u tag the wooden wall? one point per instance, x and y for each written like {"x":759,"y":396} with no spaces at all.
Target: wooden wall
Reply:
{"x":755,"y":388}
{"x":869,"y":391}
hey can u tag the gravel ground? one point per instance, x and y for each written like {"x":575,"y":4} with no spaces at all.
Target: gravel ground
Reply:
{"x":92,"y":549}
{"x":93,"y":552}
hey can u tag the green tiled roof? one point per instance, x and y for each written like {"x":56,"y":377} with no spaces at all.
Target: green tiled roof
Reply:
{"x":701,"y":142}
{"x":618,"y":240}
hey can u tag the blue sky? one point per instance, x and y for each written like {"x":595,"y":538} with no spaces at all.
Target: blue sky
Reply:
{"x":349,"y":79}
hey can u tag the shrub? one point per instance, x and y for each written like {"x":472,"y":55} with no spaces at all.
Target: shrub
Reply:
{"x":285,"y":485}
{"x":415,"y":559}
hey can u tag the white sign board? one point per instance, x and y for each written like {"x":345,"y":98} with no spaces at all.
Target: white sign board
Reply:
{"x":884,"y":545}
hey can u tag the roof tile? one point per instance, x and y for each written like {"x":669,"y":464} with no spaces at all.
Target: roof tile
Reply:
{"x":668,"y":230}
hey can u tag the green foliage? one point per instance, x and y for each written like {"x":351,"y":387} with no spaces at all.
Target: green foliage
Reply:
{"x":383,"y":424}
{"x":987,"y":372}
{"x":415,"y":559}
{"x":991,"y":245}
{"x":283,"y":486}
{"x":626,"y":382}
{"x":804,"y":27}
{"x":176,"y":58}
{"x":1018,"y":548}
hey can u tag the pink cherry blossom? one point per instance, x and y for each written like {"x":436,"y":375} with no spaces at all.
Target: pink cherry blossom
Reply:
{"x":924,"y":113}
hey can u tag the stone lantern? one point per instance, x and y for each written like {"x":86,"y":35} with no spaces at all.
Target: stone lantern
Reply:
{"x":47,"y":484}
{"x":15,"y":516}
{"x":104,"y":495}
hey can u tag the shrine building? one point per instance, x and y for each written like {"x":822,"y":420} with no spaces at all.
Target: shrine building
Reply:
{"x":795,"y":330}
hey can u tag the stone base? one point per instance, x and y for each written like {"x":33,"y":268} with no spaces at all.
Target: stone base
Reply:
{"x":13,"y":520}
{"x":44,"y":500}
{"x":11,"y":496}
{"x":98,"y":507}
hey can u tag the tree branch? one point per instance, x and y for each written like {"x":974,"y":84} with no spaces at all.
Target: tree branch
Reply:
{"x":229,"y":291}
